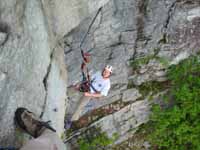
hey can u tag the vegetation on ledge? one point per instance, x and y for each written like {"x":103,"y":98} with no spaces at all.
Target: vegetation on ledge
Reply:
{"x":177,"y":126}
{"x":175,"y":122}
{"x":95,"y":139}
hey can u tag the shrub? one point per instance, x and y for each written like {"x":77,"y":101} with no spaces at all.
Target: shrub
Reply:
{"x":98,"y":140}
{"x":177,"y":127}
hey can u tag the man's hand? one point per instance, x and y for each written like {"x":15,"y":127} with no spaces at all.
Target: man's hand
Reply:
{"x":87,"y":94}
{"x":92,"y":94}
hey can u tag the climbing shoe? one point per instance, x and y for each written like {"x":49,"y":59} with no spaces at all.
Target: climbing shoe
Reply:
{"x":31,"y":124}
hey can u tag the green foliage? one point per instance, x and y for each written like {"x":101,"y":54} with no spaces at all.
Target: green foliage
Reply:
{"x":177,"y":126}
{"x":152,"y":86}
{"x":163,"y":61}
{"x":68,"y":132}
{"x":136,"y":64}
{"x":142,"y":61}
{"x":130,"y":85}
{"x":96,"y":141}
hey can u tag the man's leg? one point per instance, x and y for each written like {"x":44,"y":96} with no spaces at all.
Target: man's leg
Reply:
{"x":77,"y":114}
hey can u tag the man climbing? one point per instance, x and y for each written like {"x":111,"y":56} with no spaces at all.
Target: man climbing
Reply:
{"x":96,"y":86}
{"x":99,"y":86}
{"x":100,"y":83}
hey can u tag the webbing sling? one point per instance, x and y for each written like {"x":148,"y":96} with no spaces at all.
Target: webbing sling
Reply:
{"x":90,"y":84}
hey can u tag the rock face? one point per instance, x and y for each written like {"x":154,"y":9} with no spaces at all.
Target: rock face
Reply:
{"x":32,"y":69}
{"x":141,"y":39}
{"x":131,"y":95}
{"x":121,"y":122}
{"x":24,"y":56}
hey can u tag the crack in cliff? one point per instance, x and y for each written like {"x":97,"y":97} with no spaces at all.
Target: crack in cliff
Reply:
{"x":110,"y":56}
{"x":112,"y":46}
{"x":142,"y":12}
{"x":45,"y":83}
{"x":166,"y":24}
{"x":142,"y":9}
{"x":170,"y":13}
{"x":4,"y":29}
{"x":129,"y":30}
{"x":68,"y":46}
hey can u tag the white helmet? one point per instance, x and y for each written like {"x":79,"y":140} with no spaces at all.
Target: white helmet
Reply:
{"x":109,"y":68}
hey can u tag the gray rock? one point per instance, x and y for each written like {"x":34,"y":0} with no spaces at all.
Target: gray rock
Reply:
{"x":2,"y":37}
{"x":143,"y":69}
{"x":130,"y":117}
{"x":160,"y":73}
{"x":146,"y":145}
{"x":138,"y":80}
{"x":29,"y":77}
{"x":32,"y":72}
{"x":3,"y":77}
{"x":107,"y":100}
{"x":131,"y":95}
{"x":164,"y":33}
{"x":161,"y":79}
{"x":25,"y":59}
{"x":181,"y":56}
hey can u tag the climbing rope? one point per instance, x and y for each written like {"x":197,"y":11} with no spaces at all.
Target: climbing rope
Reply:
{"x":86,"y":56}
{"x":90,"y":26}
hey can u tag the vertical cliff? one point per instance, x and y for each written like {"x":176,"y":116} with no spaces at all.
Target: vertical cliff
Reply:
{"x":32,"y":69}
{"x":141,"y":39}
{"x":40,"y":57}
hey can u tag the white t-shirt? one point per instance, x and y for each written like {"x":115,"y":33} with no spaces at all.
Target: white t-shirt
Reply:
{"x":100,"y":84}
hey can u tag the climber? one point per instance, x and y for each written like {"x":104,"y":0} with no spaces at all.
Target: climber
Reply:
{"x":99,"y":86}
{"x":100,"y":83}
{"x":96,"y":86}
{"x":45,"y":137}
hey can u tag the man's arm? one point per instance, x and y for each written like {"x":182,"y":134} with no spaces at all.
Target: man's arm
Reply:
{"x":92,"y":94}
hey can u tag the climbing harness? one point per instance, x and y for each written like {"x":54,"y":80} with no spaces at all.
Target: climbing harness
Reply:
{"x":85,"y":85}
